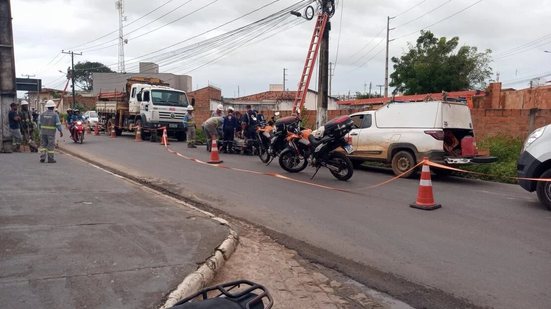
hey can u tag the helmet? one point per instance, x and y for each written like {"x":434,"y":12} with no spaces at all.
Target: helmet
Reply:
{"x":24,"y":103}
{"x":50,"y":103}
{"x":220,"y":107}
{"x":69,"y":109}
{"x":76,"y":110}
{"x":190,"y":107}
{"x":276,"y":113}
{"x":230,"y":108}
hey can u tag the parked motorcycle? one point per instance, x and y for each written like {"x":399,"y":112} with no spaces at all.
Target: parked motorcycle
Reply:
{"x":242,"y":294}
{"x":77,"y":133}
{"x":319,"y":149}
{"x":272,"y":140}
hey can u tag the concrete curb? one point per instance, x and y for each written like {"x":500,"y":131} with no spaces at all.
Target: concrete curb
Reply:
{"x":205,"y":272}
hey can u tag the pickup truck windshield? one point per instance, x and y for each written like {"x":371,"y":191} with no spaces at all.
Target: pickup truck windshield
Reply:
{"x":169,"y":98}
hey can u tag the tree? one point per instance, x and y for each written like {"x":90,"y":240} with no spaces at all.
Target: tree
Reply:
{"x":432,"y":66}
{"x":83,"y":73}
{"x":365,"y":95}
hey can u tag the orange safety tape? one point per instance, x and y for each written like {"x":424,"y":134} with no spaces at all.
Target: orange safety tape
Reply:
{"x":483,"y":174}
{"x":395,"y":178}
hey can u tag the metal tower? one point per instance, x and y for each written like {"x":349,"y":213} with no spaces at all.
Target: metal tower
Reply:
{"x":120,"y":7}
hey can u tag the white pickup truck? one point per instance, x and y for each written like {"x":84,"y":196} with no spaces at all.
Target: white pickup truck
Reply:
{"x":402,"y":134}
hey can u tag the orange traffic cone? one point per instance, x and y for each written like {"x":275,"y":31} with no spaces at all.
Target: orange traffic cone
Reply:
{"x":113,"y":133}
{"x":96,"y":129}
{"x":138,"y":134}
{"x":164,"y":139}
{"x":214,"y":156}
{"x":425,"y":199}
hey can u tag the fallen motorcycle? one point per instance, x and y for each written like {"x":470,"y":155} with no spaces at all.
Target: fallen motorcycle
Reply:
{"x":241,"y":294}
{"x":319,"y":148}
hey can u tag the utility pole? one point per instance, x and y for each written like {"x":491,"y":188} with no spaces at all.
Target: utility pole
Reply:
{"x":323,"y":80}
{"x":8,"y":92}
{"x":284,"y":78}
{"x":72,"y":71}
{"x":380,"y":89}
{"x":119,"y":4}
{"x":330,"y":77}
{"x":387,"y":46}
{"x":370,"y":89}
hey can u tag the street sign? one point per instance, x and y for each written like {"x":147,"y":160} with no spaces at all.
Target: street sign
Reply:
{"x":28,"y":84}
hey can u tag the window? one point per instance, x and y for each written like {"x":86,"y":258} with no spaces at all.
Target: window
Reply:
{"x":362,"y":121}
{"x":169,"y":97}
{"x":133,"y":95}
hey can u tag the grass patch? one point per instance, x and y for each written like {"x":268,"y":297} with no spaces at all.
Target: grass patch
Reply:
{"x":507,"y":151}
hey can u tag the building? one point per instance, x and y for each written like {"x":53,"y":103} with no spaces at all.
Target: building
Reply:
{"x":278,"y":101}
{"x":117,"y":81}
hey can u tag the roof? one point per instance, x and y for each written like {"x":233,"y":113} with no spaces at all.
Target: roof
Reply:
{"x":273,"y":95}
{"x":413,"y":98}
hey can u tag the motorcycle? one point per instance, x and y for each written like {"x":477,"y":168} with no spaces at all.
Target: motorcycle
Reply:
{"x":318,"y":148}
{"x":273,"y":141}
{"x":77,"y":133}
{"x":239,"y":294}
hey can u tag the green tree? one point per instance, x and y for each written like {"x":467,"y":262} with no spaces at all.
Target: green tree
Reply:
{"x":365,"y":95}
{"x":83,"y":73}
{"x":435,"y":65}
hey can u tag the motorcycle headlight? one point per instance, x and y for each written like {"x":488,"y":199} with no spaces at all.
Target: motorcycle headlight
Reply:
{"x":79,"y":123}
{"x":533,"y":137}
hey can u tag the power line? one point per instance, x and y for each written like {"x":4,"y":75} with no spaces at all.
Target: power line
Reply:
{"x":425,"y":14}
{"x":441,"y":20}
{"x":130,"y":23}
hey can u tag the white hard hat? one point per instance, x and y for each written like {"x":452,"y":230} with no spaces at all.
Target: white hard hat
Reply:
{"x":50,"y":103}
{"x":220,"y":107}
{"x":189,"y":107}
{"x":24,"y":103}
{"x":230,"y":108}
{"x":276,"y":113}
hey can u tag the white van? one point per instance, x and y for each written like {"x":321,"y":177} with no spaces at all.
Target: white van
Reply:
{"x":402,"y":134}
{"x":535,"y":162}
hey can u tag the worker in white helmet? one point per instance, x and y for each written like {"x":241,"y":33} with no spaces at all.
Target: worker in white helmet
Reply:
{"x":48,"y":122}
{"x":189,"y":123}
{"x":219,"y":111}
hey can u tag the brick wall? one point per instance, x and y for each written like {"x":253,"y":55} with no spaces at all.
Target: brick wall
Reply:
{"x":509,"y":122}
{"x":89,"y":103}
{"x":497,"y":98}
{"x":202,"y":98}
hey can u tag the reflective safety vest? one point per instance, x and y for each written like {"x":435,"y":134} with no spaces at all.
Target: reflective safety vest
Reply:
{"x":48,"y":122}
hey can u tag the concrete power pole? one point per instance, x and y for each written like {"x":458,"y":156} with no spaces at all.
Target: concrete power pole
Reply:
{"x":284,"y":78}
{"x":386,"y":57}
{"x":8,"y":92}
{"x":72,"y":72}
{"x":323,"y":81}
{"x":120,"y":7}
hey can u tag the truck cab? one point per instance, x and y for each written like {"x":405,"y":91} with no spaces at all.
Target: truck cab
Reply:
{"x":157,"y":106}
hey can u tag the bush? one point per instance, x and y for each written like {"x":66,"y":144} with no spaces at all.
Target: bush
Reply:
{"x":507,"y":151}
{"x":200,"y":136}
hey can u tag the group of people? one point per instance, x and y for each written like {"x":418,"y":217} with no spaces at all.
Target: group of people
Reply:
{"x":23,"y":124}
{"x":226,"y":125}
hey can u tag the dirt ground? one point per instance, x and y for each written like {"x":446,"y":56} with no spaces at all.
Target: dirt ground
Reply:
{"x":292,"y":281}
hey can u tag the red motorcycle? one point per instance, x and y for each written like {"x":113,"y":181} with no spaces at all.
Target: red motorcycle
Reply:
{"x":77,"y":133}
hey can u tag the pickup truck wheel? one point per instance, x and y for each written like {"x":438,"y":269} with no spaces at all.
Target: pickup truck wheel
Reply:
{"x":402,"y":161}
{"x":544,"y":190}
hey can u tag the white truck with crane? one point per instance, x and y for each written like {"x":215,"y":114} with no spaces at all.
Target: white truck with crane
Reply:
{"x":148,"y":104}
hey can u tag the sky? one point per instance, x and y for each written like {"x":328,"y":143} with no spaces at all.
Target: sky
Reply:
{"x":200,"y":38}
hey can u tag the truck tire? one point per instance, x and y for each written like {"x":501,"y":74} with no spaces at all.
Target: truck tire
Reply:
{"x":401,"y":162}
{"x":544,"y":189}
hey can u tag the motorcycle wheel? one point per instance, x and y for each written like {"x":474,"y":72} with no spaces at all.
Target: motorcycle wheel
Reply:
{"x":263,"y":154}
{"x":81,"y":137}
{"x":292,"y":163}
{"x":343,"y":163}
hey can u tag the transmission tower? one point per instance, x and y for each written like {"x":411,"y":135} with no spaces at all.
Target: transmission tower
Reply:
{"x":120,"y":7}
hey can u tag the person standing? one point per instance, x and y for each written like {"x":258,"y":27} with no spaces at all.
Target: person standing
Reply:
{"x":228,"y":127}
{"x":27,"y":125}
{"x":48,"y":122}
{"x":14,"y":120}
{"x":189,"y":123}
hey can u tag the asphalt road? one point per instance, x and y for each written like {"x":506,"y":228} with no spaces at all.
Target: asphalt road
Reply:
{"x":487,"y":246}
